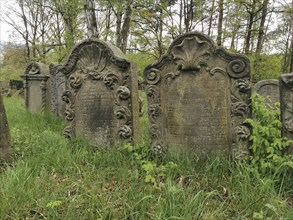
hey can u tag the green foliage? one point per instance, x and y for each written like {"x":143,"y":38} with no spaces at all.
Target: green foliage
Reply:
{"x":141,"y":60}
{"x":54,"y":178}
{"x":154,"y":171}
{"x":266,"y":66}
{"x":269,"y":149}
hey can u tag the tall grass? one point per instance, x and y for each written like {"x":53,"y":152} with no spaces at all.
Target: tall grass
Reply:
{"x":54,"y":178}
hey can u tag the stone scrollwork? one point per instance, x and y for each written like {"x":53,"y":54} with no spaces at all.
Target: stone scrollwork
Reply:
{"x":123,"y":92}
{"x":153,"y":76}
{"x":125,"y":132}
{"x":238,"y":69}
{"x":94,"y":60}
{"x":289,"y":123}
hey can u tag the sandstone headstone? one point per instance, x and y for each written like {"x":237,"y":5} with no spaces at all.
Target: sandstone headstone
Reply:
{"x":37,"y":87}
{"x":58,"y":87}
{"x":5,"y":141}
{"x":286,"y":101}
{"x":102,"y":94}
{"x":198,"y":98}
{"x":269,"y":88}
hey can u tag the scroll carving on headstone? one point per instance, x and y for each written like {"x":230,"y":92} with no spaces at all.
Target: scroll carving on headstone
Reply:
{"x":102,"y":94}
{"x":37,"y":87}
{"x":286,"y":101}
{"x":58,"y":88}
{"x":199,"y":97}
{"x":269,"y":88}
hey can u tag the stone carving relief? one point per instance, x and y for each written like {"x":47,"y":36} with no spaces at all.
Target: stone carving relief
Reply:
{"x":192,"y":86}
{"x":286,"y":101}
{"x":37,"y":87}
{"x":100,"y":83}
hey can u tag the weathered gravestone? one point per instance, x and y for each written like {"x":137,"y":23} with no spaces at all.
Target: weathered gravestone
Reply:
{"x":102,"y":95}
{"x":5,"y":142}
{"x":37,"y":87}
{"x":198,"y":98}
{"x":58,"y":87}
{"x":286,"y":101}
{"x":268,"y":88}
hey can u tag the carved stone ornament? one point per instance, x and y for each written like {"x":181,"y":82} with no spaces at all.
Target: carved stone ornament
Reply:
{"x":37,"y":87}
{"x":198,"y":98}
{"x":286,"y":102}
{"x":100,"y":98}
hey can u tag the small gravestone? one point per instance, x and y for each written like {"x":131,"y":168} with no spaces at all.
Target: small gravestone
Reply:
{"x":58,"y":87}
{"x":5,"y":140}
{"x":286,"y":101}
{"x":37,"y":87}
{"x":102,"y":94}
{"x":198,"y":98}
{"x":269,"y":88}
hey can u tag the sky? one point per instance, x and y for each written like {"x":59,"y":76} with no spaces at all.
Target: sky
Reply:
{"x":4,"y":28}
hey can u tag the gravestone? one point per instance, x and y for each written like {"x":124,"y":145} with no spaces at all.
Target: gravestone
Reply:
{"x":58,"y":87}
{"x":5,"y":140}
{"x":37,"y":87}
{"x":102,"y":94}
{"x":268,"y":88}
{"x":286,"y":101}
{"x":198,"y":98}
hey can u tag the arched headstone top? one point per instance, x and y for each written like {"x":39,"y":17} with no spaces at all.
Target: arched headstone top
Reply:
{"x":92,"y":56}
{"x":193,"y":51}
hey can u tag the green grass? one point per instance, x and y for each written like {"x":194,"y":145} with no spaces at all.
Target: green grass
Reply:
{"x":53,"y":178}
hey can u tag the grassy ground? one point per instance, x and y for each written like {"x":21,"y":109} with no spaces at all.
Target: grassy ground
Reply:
{"x":53,"y":178}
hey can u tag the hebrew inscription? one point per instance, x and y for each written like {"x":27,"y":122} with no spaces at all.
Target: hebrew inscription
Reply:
{"x":199,"y":98}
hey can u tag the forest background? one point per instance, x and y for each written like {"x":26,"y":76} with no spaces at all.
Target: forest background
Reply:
{"x":47,"y":30}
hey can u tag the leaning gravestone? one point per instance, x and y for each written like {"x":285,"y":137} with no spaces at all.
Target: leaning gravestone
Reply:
{"x":58,"y":87}
{"x":286,"y":95}
{"x":102,"y":94}
{"x":199,"y":97}
{"x":5,"y":142}
{"x":37,"y":87}
{"x":269,"y":88}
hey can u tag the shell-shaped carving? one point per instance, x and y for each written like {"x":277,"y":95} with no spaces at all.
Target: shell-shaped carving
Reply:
{"x":192,"y":53}
{"x":92,"y":60}
{"x":123,"y":92}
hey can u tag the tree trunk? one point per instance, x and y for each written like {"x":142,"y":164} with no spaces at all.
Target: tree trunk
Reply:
{"x":261,"y":31}
{"x":118,"y":29}
{"x":211,"y":18}
{"x":91,"y":22}
{"x":220,"y":22}
{"x":5,"y":139}
{"x":126,"y":26}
